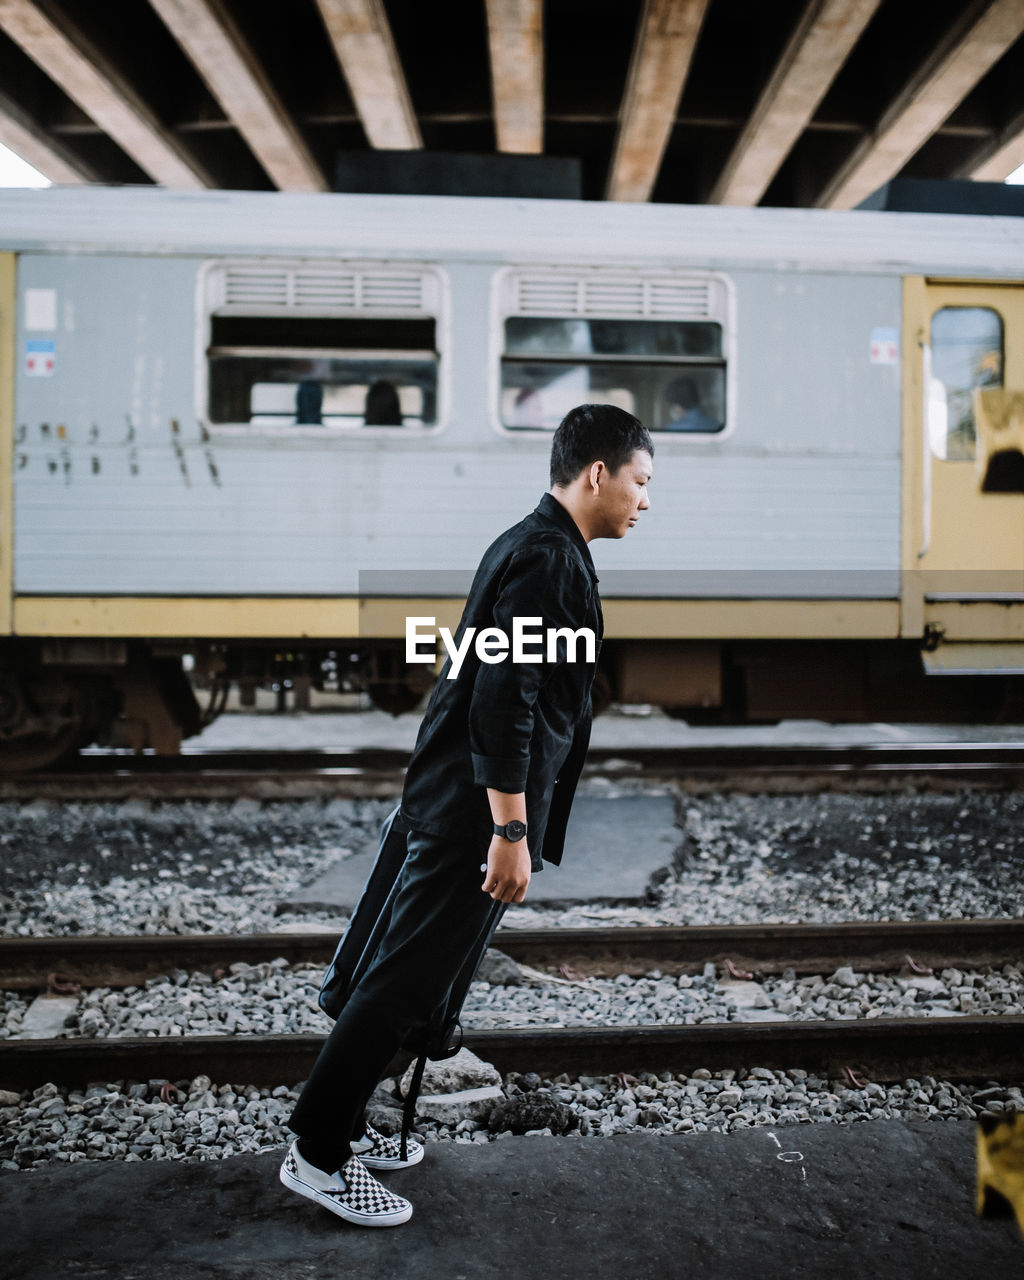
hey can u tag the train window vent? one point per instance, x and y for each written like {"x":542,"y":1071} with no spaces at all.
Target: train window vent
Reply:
{"x":548,"y":296}
{"x":394,"y":293}
{"x":640,"y":297}
{"x":324,"y":289}
{"x":612,"y":299}
{"x":255,"y":288}
{"x":679,"y":300}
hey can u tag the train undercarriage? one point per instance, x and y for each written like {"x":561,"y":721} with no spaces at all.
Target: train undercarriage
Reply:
{"x":60,"y":695}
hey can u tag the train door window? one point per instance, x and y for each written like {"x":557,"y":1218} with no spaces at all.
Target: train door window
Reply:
{"x":655,"y":345}
{"x":966,"y":352}
{"x":324,"y":346}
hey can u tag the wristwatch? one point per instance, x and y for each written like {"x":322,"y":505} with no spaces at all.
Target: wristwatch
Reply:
{"x":514,"y":830}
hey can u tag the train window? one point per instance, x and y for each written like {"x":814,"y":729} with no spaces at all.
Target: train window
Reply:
{"x":966,"y":352}
{"x":321,"y":346}
{"x":669,"y":369}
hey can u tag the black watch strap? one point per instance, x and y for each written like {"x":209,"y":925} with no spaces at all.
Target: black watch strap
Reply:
{"x":514,"y":830}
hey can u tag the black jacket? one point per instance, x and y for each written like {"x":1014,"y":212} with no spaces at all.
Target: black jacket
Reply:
{"x":513,"y":726}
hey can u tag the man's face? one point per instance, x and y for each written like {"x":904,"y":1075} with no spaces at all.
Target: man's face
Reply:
{"x":623,"y":495}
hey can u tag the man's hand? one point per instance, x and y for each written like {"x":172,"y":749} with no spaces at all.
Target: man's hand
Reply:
{"x":508,"y":870}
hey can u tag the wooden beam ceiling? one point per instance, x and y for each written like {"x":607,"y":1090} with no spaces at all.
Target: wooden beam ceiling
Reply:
{"x":818,"y":48}
{"x":515,"y":32}
{"x":222,"y":57}
{"x":620,"y":103}
{"x":665,"y":40}
{"x":88,"y":79}
{"x":365,"y":48}
{"x":29,"y":140}
{"x":973,"y":45}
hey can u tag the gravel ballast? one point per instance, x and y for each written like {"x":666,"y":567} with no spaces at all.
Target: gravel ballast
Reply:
{"x":142,"y":867}
{"x":277,"y":998}
{"x":195,"y":1120}
{"x":198,"y":1120}
{"x":180,"y":868}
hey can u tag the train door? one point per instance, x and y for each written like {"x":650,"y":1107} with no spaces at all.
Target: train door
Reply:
{"x":8,"y":328}
{"x":963,"y":475}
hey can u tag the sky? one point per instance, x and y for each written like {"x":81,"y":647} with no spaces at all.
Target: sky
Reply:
{"x":14,"y":172}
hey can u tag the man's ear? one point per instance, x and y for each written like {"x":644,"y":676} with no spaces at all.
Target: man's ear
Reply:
{"x":596,"y":470}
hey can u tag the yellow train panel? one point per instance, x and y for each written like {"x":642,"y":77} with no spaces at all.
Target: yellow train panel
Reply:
{"x":185,"y":618}
{"x":963,"y":545}
{"x":751,"y":619}
{"x":385,"y":618}
{"x":980,"y":620}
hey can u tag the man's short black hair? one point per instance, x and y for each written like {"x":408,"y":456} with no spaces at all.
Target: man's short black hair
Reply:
{"x":595,"y":433}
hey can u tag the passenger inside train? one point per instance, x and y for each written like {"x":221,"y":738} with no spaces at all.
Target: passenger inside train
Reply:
{"x":684,"y":410}
{"x":383,"y":408}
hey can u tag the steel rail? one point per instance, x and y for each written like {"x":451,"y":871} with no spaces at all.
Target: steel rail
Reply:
{"x":270,"y":775}
{"x":26,"y":963}
{"x":731,"y":756}
{"x":883,"y":1050}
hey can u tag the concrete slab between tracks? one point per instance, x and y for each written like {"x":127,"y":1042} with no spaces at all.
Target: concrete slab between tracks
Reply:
{"x":891,"y":1199}
{"x":615,"y":847}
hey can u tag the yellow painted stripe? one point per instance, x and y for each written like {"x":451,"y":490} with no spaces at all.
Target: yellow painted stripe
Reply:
{"x":186,"y":618}
{"x":347,"y":617}
{"x":751,"y":619}
{"x":383,"y":617}
{"x":8,"y":330}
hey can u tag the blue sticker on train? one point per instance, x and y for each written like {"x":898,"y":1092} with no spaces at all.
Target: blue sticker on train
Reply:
{"x":885,"y":346}
{"x":40,"y":357}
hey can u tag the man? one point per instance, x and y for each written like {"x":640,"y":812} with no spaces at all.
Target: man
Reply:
{"x":684,"y":410}
{"x":494,"y":769}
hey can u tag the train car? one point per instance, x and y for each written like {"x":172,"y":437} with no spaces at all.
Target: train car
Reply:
{"x":245,"y":436}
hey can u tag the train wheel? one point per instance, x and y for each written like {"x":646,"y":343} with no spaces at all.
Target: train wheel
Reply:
{"x":40,"y":728}
{"x":30,"y":751}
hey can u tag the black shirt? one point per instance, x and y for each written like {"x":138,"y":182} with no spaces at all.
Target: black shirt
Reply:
{"x":514,"y":726}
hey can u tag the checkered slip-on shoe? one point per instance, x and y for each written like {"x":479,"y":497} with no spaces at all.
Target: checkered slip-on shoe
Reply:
{"x":351,"y":1193}
{"x":378,"y":1152}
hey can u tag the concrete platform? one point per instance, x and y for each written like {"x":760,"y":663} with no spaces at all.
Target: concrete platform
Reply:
{"x":614,"y":846}
{"x":879,"y":1198}
{"x":614,"y":730}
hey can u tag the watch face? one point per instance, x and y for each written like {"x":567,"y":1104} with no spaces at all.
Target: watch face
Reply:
{"x":515,"y":830}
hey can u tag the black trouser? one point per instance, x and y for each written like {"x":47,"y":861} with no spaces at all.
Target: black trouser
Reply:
{"x":439,"y":914}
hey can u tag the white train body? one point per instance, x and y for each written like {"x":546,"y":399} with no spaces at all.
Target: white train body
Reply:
{"x":163,"y":495}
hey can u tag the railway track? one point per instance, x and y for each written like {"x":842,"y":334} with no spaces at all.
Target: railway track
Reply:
{"x":270,"y":775}
{"x":878,"y":946}
{"x":883,"y":1049}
